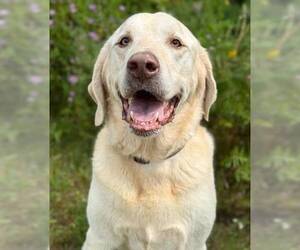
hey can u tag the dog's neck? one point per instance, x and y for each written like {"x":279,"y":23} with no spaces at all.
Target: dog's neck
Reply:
{"x":145,"y":161}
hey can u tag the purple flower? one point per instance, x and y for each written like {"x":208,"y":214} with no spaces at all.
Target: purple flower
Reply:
{"x":34,"y":8}
{"x":92,"y":7}
{"x":2,"y":23}
{"x":35,"y":79}
{"x":33,"y":93}
{"x":4,"y":12}
{"x":73,"y":79}
{"x":208,"y":36}
{"x":197,"y":6}
{"x":52,"y":12}
{"x":71,"y":96}
{"x":90,"y":20}
{"x":32,"y":96}
{"x":73,"y":60}
{"x":72,"y":8}
{"x":122,"y":7}
{"x":2,"y":43}
{"x":94,"y":36}
{"x":70,"y":99}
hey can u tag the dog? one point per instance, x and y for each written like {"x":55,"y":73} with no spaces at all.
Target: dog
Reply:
{"x":153,"y":181}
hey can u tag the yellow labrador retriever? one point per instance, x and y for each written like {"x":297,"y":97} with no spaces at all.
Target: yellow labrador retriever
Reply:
{"x":153,"y":184}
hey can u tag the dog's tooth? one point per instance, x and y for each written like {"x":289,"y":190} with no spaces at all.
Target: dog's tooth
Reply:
{"x":131,"y":114}
{"x":156,"y":115}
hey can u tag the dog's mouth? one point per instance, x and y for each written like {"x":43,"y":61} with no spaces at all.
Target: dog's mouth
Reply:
{"x":146,"y":113}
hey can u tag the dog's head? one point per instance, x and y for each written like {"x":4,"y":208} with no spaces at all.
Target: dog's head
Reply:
{"x":149,"y":69}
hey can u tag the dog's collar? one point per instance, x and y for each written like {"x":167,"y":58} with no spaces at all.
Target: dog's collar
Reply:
{"x":143,"y":161}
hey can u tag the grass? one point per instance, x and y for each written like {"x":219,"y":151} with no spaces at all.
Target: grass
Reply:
{"x":69,"y":182}
{"x":229,"y":237}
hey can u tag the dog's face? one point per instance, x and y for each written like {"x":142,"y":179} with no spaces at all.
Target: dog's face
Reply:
{"x":150,"y":68}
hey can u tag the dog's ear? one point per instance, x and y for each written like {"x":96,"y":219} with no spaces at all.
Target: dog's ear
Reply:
{"x":96,"y":86}
{"x":210,"y":90}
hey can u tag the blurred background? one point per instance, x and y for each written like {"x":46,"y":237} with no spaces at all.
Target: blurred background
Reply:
{"x":24,"y":124}
{"x":275,"y":125}
{"x":78,"y":29}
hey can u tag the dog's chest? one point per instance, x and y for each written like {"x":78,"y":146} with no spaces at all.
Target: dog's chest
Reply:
{"x":151,"y":237}
{"x":152,"y":224}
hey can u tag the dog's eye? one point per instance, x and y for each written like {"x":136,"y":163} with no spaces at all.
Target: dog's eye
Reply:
{"x":176,"y":43}
{"x":124,"y":41}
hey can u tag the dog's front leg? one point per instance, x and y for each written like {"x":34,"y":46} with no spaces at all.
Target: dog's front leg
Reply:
{"x":95,"y":242}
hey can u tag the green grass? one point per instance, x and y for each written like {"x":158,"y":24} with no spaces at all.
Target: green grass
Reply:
{"x":69,"y":182}
{"x":228,"y":237}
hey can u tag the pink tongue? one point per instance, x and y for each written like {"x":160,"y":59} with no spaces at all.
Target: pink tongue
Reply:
{"x":144,"y":108}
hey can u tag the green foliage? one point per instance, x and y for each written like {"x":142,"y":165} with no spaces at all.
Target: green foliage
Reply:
{"x":77,"y":33}
{"x":238,"y":162}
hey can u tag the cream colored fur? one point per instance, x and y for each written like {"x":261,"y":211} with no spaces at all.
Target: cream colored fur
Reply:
{"x":167,"y":204}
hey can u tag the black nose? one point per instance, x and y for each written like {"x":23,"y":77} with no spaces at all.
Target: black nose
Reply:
{"x":143,"y":65}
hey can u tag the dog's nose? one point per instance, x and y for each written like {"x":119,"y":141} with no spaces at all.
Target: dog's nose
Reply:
{"x":143,"y":65}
